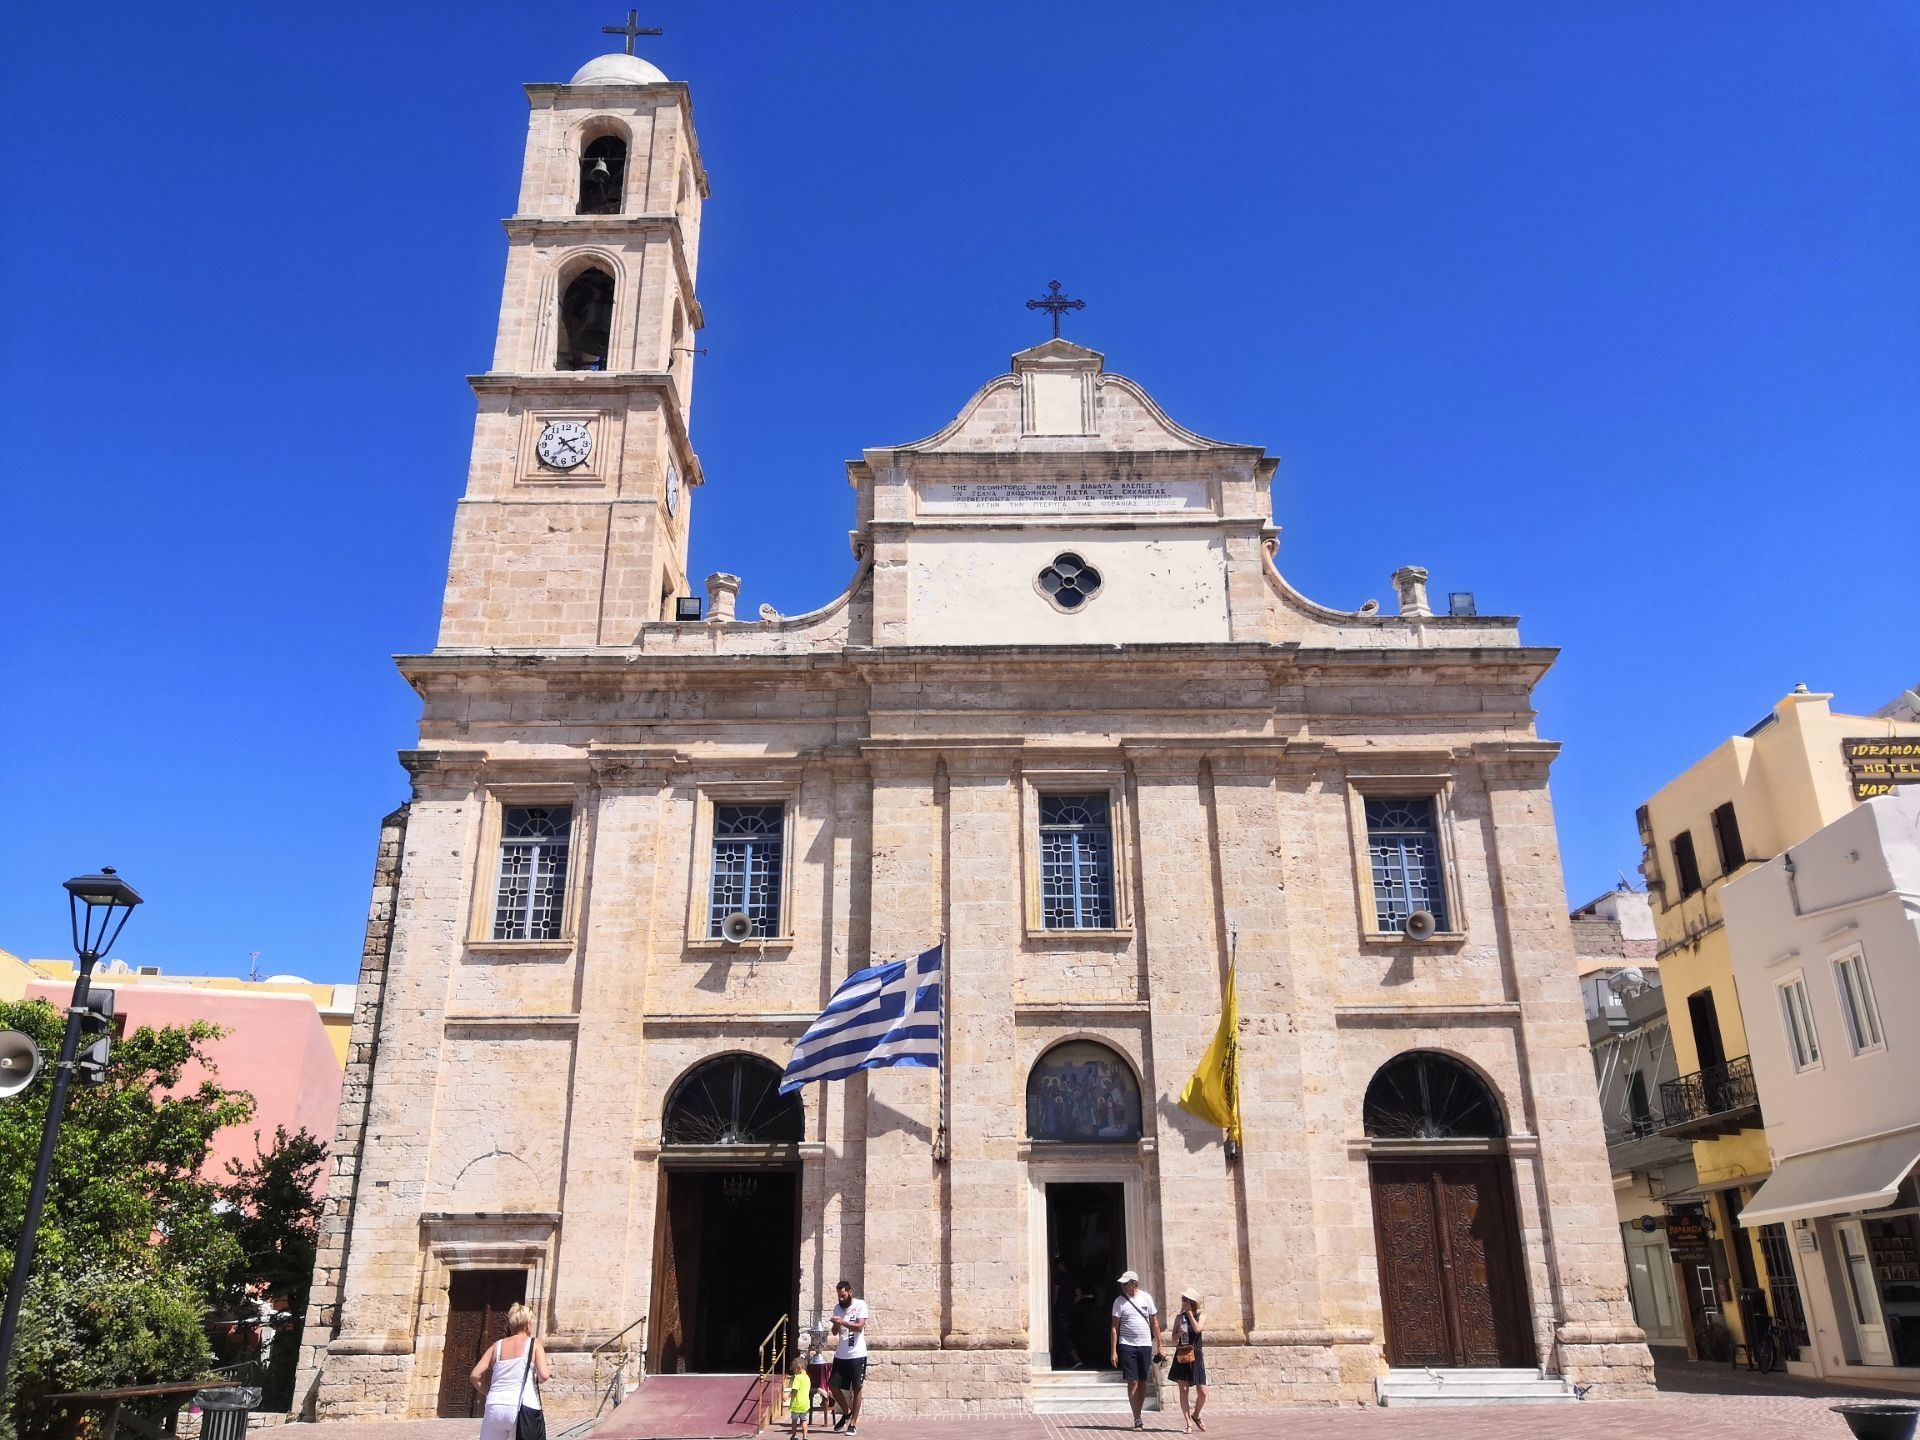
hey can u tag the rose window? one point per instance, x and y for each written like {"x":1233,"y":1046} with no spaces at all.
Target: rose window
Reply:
{"x":1069,"y":582}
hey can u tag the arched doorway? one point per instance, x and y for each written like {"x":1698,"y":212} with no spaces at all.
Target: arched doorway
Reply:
{"x":727,"y":1253}
{"x":1452,"y":1286}
{"x":1083,"y":1101}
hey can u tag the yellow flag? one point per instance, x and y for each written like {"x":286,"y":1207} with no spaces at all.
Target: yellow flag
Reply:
{"x":1213,"y":1093}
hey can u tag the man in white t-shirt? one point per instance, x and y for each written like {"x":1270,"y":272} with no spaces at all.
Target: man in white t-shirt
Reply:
{"x":849,"y":1357}
{"x":1136,"y":1340}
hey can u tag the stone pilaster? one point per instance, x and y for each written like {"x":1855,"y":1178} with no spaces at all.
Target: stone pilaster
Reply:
{"x":901,"y":1277}
{"x":985,"y":1181}
{"x":1593,"y":1337}
{"x":1186,"y":960}
{"x":590,"y":1299}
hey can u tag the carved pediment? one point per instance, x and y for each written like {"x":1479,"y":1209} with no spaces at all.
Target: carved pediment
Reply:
{"x":1059,"y":397}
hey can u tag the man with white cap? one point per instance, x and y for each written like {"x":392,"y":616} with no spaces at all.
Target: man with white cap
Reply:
{"x":1136,"y":1341}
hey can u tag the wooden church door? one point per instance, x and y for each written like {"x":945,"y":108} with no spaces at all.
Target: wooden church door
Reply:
{"x":1449,"y":1263}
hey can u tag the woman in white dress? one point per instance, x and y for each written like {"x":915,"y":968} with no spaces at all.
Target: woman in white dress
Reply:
{"x":501,"y":1376}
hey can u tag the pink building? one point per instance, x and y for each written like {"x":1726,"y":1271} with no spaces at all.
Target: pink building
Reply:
{"x":276,"y":1048}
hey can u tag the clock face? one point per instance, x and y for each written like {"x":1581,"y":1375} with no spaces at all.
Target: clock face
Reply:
{"x":564,"y":444}
{"x":673,"y":490}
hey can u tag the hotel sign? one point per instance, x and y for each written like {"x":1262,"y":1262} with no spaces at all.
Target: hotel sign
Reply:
{"x":1879,"y":766}
{"x":1687,"y":1239}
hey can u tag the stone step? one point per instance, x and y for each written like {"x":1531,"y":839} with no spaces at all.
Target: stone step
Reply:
{"x":1471,"y":1387}
{"x":1082,"y":1392}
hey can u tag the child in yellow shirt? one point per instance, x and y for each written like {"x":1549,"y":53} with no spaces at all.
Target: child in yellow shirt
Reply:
{"x":799,"y":1398}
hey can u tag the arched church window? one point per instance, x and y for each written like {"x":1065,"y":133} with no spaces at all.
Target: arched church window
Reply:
{"x":732,"y":1100}
{"x":603,"y":173}
{"x":1069,"y":582}
{"x":1423,"y":1095}
{"x":1085,"y":1093}
{"x":586,"y":322}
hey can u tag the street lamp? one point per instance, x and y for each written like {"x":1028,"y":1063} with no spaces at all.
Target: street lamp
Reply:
{"x":99,"y":906}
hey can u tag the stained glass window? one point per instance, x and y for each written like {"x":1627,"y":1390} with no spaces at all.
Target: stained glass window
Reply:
{"x":531,"y":902}
{"x":1076,"y":863}
{"x":747,"y":845}
{"x":1403,"y":848}
{"x":732,"y":1100}
{"x":1069,"y":582}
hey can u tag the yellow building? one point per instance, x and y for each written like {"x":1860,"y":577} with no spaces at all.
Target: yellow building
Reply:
{"x":1742,"y":803}
{"x":15,"y":975}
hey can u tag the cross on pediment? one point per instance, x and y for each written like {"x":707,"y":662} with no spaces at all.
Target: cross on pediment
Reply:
{"x":632,"y":29}
{"x":1053,"y":302}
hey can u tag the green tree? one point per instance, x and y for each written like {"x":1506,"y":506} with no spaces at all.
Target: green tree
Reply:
{"x":275,"y":1215}
{"x":131,"y":1247}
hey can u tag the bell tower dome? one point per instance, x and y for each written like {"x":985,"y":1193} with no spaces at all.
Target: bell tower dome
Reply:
{"x":573,"y":528}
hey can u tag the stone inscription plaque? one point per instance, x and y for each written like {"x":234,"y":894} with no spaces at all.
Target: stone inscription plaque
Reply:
{"x":1063,"y":497}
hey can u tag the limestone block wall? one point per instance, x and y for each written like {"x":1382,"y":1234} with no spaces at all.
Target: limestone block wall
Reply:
{"x":910,"y":784}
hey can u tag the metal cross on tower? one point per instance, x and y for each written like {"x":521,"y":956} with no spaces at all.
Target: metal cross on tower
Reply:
{"x":632,"y":29}
{"x":1053,"y":302}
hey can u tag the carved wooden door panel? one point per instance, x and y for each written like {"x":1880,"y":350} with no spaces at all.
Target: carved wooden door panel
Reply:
{"x":676,"y":1303}
{"x":1483,"y":1248}
{"x":1450,"y":1277}
{"x":1412,"y":1279}
{"x":477,"y":1305}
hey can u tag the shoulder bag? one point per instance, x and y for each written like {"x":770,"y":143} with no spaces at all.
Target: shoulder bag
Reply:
{"x":530,"y":1423}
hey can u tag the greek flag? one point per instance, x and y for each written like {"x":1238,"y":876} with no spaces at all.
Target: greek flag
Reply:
{"x":883,"y":1015}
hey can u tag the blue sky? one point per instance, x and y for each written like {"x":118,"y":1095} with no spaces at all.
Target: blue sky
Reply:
{"x":1606,"y":312}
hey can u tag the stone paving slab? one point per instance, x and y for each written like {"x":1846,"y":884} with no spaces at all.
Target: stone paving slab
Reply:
{"x":1669,"y":1417}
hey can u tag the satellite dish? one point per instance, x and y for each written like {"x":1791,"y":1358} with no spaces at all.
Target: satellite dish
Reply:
{"x":1630,"y":981}
{"x":19,"y":1062}
{"x":1420,"y":925}
{"x":737,"y":928}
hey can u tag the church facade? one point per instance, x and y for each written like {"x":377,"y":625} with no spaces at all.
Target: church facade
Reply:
{"x":1067,"y":717}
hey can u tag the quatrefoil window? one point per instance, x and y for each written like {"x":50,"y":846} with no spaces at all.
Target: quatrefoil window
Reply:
{"x":1069,"y":582}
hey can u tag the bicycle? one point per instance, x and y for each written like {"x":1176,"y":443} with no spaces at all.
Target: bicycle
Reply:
{"x":1767,"y":1348}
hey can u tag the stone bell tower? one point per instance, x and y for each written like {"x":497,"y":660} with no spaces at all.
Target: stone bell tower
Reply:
{"x":573,"y":529}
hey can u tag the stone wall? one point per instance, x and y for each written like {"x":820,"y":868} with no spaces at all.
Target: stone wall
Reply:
{"x":356,"y":1089}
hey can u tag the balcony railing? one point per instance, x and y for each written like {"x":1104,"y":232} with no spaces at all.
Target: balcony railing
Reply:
{"x":1715,"y":1101}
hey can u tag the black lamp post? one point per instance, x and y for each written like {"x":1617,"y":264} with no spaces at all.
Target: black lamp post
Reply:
{"x":99,"y":905}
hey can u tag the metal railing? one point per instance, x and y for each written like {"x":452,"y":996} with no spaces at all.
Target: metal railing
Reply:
{"x":1715,"y":1090}
{"x":610,"y":1360}
{"x":773,"y":1372}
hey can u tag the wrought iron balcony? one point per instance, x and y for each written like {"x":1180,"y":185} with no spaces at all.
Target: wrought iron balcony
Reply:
{"x":1715,"y":1101}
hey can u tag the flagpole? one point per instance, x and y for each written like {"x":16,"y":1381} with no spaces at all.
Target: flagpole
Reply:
{"x":1233,"y":1054}
{"x":946,"y":978}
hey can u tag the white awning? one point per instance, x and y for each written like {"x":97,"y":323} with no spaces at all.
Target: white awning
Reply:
{"x":1861,"y":1176}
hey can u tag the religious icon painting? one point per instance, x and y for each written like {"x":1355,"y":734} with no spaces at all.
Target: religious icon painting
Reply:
{"x":1084,"y":1093}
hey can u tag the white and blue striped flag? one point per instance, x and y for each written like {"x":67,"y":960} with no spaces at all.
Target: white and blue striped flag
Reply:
{"x":883,"y":1015}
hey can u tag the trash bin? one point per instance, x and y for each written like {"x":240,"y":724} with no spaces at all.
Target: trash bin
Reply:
{"x":223,"y":1410}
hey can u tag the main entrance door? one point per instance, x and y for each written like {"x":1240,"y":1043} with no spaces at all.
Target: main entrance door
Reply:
{"x":477,"y":1304}
{"x":727,"y":1262}
{"x":729,"y":1268}
{"x":1450,"y":1276}
{"x":1086,"y":1250}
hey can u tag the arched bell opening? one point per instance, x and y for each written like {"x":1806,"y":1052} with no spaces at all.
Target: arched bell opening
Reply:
{"x":586,"y":321}
{"x":603,"y":176}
